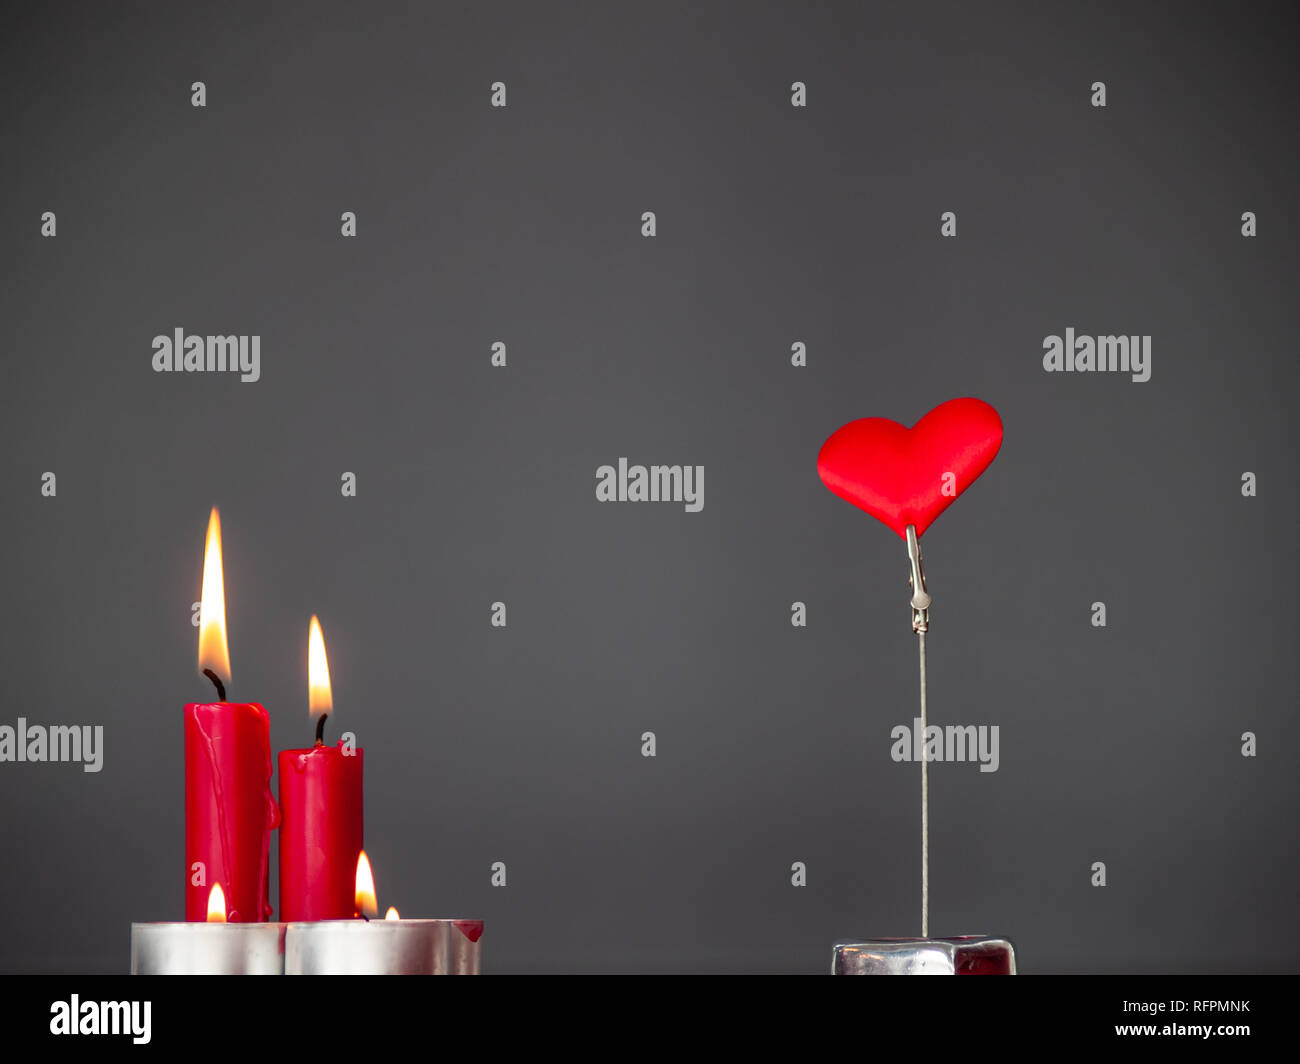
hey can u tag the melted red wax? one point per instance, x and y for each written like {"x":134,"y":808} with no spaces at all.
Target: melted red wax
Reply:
{"x":977,"y":956}
{"x":471,"y":929}
{"x":229,"y":809}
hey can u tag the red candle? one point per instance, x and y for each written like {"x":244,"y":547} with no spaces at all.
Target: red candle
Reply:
{"x":229,"y":809}
{"x":320,"y":798}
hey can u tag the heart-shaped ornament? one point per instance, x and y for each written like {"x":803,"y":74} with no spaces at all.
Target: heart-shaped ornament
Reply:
{"x":910,"y":476}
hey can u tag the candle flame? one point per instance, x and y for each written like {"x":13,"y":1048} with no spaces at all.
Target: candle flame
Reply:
{"x":213,"y":652}
{"x":319,"y":698}
{"x":366,"y":904}
{"x":392,"y":914}
{"x":217,"y":905}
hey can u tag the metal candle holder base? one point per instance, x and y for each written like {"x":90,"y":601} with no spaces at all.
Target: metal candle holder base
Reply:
{"x":963,"y":955}
{"x":207,"y":949}
{"x":384,"y":947}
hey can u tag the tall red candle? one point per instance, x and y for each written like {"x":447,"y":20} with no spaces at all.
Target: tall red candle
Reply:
{"x":229,"y":809}
{"x":321,"y":832}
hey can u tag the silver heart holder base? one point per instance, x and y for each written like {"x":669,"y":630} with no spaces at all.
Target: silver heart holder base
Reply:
{"x":963,"y":955}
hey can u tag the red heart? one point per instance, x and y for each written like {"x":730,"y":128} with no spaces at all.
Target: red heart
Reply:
{"x":897,"y":475}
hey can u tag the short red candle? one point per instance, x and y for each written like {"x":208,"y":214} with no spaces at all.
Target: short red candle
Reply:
{"x":229,"y":809}
{"x":320,"y":833}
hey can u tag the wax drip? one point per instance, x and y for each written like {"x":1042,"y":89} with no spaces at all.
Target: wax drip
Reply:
{"x":320,"y":729}
{"x":272,"y":822}
{"x":221,"y":688}
{"x":471,"y":929}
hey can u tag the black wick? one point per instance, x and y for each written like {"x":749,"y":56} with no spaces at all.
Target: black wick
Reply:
{"x":221,"y":688}
{"x":320,"y":729}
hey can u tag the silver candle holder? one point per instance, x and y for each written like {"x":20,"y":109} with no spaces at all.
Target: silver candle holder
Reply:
{"x":963,"y":955}
{"x":384,"y":947}
{"x":207,"y":949}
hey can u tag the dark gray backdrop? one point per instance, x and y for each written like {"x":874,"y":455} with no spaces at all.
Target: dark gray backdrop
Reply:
{"x":476,"y":484}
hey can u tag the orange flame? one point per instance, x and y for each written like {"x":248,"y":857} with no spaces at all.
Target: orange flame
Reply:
{"x":392,"y":914}
{"x":319,"y":698}
{"x":366,"y":904}
{"x":213,"y":651}
{"x":217,"y":905}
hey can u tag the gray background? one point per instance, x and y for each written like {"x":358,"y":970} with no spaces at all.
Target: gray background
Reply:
{"x":477,"y":484}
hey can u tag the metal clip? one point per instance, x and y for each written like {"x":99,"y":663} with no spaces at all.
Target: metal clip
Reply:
{"x":920,"y":597}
